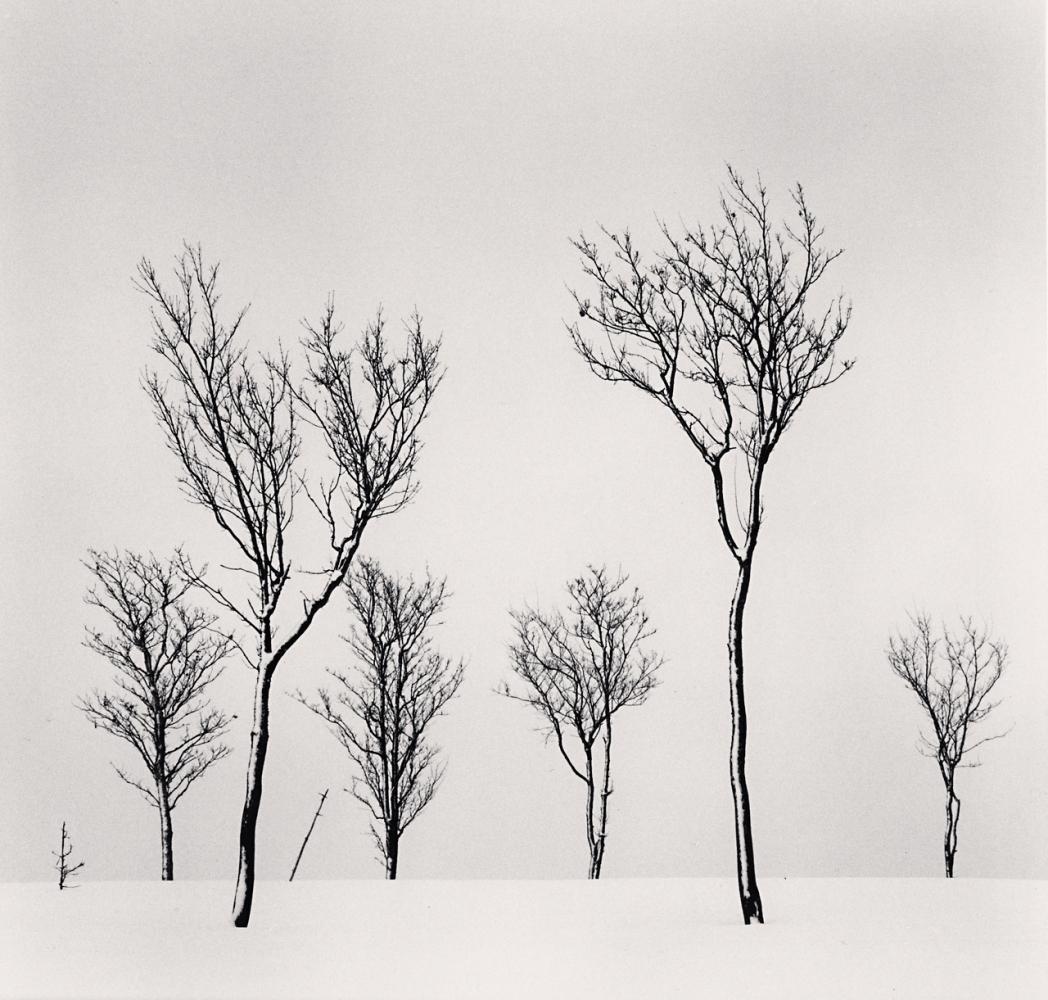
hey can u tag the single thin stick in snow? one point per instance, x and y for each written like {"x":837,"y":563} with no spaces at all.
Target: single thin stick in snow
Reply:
{"x":309,"y":833}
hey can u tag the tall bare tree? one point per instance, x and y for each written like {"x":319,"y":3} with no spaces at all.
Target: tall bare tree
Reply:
{"x":166,"y":653}
{"x":577,"y":672}
{"x":382,"y":715}
{"x":232,"y":422}
{"x":952,"y":675}
{"x":720,"y":328}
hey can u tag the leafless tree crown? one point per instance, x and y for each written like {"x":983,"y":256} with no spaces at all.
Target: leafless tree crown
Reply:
{"x":230,"y":423}
{"x":720,"y":328}
{"x":952,"y":675}
{"x":580,"y":668}
{"x":234,"y":425}
{"x":165,"y":653}
{"x":369,"y":422}
{"x":382,"y":713}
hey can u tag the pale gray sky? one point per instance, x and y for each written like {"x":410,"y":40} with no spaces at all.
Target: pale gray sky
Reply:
{"x":440,"y":156}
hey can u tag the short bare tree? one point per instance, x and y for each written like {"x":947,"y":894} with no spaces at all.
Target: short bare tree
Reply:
{"x":952,"y":675}
{"x":65,"y":869}
{"x":720,"y":328}
{"x":233,"y":424}
{"x":382,"y":714}
{"x":165,"y":653}
{"x":577,"y":671}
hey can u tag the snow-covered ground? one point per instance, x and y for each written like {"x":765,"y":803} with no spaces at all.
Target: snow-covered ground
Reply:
{"x":838,"y":938}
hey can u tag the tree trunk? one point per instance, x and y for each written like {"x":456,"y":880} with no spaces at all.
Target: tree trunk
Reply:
{"x":591,"y":836}
{"x":392,"y":854}
{"x":749,"y":896}
{"x":167,"y":860}
{"x":605,"y":791}
{"x":953,"y":815}
{"x":253,"y":797}
{"x":393,"y":837}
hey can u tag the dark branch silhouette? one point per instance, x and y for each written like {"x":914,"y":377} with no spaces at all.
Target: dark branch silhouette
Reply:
{"x":952,"y":675}
{"x":720,"y":328}
{"x":166,"y":653}
{"x":233,"y":423}
{"x":577,"y":672}
{"x":62,"y":866}
{"x":309,"y":833}
{"x":382,"y":715}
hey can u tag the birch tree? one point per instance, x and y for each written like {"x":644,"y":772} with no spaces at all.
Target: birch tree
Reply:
{"x":577,"y":671}
{"x":952,"y":675}
{"x":233,"y":421}
{"x":165,"y":654}
{"x":721,"y":329}
{"x":382,"y":713}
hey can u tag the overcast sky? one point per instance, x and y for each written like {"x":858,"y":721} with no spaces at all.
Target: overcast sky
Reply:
{"x":440,"y":156}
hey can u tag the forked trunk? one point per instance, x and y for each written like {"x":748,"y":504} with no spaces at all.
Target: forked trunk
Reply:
{"x":167,"y":860}
{"x":252,"y":798}
{"x":749,"y":896}
{"x":953,"y":815}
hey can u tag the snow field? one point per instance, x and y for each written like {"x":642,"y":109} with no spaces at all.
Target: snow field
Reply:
{"x":839,"y":938}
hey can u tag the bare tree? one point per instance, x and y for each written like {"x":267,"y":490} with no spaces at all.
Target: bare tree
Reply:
{"x":577,"y":672}
{"x":718,"y":327}
{"x":952,"y":675}
{"x":233,"y":425}
{"x":166,"y":653}
{"x":309,"y":833}
{"x":382,"y":716}
{"x":62,"y":866}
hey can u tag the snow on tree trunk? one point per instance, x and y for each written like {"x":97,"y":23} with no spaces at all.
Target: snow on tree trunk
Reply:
{"x":253,"y":797}
{"x":167,"y":858}
{"x":953,"y":815}
{"x":749,"y":896}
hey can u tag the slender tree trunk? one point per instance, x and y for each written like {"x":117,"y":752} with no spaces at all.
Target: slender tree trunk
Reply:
{"x":253,"y":796}
{"x":953,"y":815}
{"x":591,"y":836}
{"x":749,"y":896}
{"x":167,"y":859}
{"x":605,"y":791}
